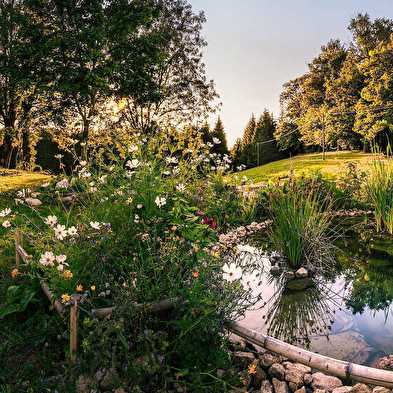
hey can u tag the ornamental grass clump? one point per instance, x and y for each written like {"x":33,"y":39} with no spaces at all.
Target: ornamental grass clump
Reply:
{"x":379,"y":188}
{"x":301,"y":217}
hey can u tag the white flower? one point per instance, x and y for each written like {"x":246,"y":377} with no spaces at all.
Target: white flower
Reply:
{"x":132,"y":148}
{"x":45,"y":184}
{"x":73,"y":141}
{"x":176,"y":170}
{"x":60,"y":232}
{"x":245,"y":248}
{"x":139,"y":206}
{"x":160,"y":201}
{"x":216,"y":141}
{"x":47,"y":258}
{"x":231,"y":272}
{"x":62,"y":184}
{"x":83,"y":163}
{"x":59,"y":156}
{"x":111,"y":168}
{"x":51,"y":220}
{"x":102,"y":179}
{"x":95,"y":224}
{"x":61,"y":258}
{"x":72,"y":231}
{"x":180,"y":187}
{"x":60,"y":267}
{"x":171,"y":160}
{"x":5,"y":212}
{"x":133,"y":163}
{"x":136,"y":220}
{"x":209,"y":144}
{"x":167,"y":173}
{"x":92,"y":190}
{"x":6,"y":224}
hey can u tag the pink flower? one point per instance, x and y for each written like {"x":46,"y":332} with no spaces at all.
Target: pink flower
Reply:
{"x":209,"y":221}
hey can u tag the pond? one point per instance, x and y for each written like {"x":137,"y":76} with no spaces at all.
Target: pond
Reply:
{"x":346,"y":313}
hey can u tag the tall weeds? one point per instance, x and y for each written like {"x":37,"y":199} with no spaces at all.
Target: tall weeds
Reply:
{"x":379,"y":187}
{"x":301,"y":218}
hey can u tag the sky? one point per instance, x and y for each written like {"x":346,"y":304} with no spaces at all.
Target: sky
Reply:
{"x":255,"y":46}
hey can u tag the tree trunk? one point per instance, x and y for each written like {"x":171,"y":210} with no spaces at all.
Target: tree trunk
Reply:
{"x":6,"y":149}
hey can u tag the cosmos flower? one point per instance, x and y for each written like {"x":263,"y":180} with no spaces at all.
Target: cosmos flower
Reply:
{"x":231,"y":272}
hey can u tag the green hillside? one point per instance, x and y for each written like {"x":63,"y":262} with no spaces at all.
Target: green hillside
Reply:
{"x":334,"y":162}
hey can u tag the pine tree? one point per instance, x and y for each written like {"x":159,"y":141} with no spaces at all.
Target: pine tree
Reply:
{"x":248,"y":154}
{"x":218,"y":134}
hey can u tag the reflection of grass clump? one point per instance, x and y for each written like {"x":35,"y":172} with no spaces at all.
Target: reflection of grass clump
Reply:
{"x":301,"y":218}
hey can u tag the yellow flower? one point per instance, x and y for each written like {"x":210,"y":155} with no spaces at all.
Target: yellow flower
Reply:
{"x":14,"y":273}
{"x":128,"y":201}
{"x":93,"y":287}
{"x":79,"y":288}
{"x":251,"y":369}
{"x":65,"y":297}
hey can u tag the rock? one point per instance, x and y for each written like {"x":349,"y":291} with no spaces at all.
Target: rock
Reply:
{"x":301,"y":273}
{"x":83,"y":384}
{"x":280,"y":386}
{"x":104,"y":376}
{"x":267,"y":359}
{"x":295,"y":378}
{"x":298,"y":366}
{"x":289,"y":275}
{"x":308,"y":379}
{"x":258,"y":377}
{"x":342,"y":389}
{"x":243,"y":359}
{"x":67,"y":200}
{"x":266,"y":387}
{"x":251,"y":347}
{"x":299,"y":284}
{"x":301,"y":390}
{"x":381,"y":389}
{"x":33,"y":201}
{"x":320,"y":391}
{"x":360,"y":388}
{"x":119,"y":390}
{"x":325,"y":382}
{"x":277,"y":371}
{"x":237,"y":345}
{"x":275,"y":270}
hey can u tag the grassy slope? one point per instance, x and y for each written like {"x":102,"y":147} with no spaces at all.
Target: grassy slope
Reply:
{"x":334,"y":162}
{"x":16,"y":180}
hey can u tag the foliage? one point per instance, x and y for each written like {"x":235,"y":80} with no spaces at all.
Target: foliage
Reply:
{"x":386,"y":363}
{"x":138,"y":230}
{"x":301,"y":219}
{"x":379,"y":188}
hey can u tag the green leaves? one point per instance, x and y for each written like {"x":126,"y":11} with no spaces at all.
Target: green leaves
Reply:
{"x":18,"y":298}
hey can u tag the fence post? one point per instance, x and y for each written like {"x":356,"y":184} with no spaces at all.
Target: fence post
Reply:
{"x":17,"y":243}
{"x":74,"y":317}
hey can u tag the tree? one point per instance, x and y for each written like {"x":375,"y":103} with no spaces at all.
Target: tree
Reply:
{"x":218,"y":133}
{"x":235,"y":154}
{"x":374,"y":113}
{"x":264,"y":139}
{"x":181,"y":90}
{"x":248,"y":154}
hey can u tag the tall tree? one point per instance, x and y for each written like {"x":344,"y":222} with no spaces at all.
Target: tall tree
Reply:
{"x":182,"y":91}
{"x":248,"y":154}
{"x":267,"y":150}
{"x":218,"y":134}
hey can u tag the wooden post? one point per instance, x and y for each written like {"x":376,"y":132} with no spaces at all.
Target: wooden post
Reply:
{"x":74,"y":317}
{"x":17,"y":243}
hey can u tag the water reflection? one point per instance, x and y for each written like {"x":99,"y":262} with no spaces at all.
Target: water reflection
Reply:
{"x":294,"y":316}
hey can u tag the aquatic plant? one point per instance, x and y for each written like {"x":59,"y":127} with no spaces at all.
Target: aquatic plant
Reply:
{"x":301,"y":216}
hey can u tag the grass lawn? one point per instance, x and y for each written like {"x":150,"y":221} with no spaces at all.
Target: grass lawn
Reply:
{"x":15,"y":180}
{"x":331,"y":166}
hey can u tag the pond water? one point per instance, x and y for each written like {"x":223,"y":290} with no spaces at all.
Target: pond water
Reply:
{"x":346,"y":313}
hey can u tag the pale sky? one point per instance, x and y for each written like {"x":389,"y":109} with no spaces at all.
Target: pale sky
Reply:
{"x":255,"y":46}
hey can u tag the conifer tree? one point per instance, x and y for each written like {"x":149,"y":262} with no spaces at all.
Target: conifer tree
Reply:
{"x":218,"y":133}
